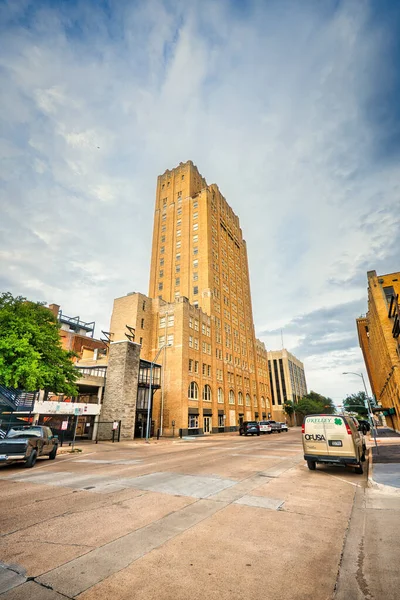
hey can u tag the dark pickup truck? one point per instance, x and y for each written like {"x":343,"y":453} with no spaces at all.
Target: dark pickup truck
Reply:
{"x":27,"y":444}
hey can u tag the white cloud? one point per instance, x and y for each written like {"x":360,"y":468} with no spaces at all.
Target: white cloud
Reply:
{"x":267,"y":101}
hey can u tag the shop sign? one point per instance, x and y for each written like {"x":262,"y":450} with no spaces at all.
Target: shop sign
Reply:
{"x":115,"y":425}
{"x":64,"y":425}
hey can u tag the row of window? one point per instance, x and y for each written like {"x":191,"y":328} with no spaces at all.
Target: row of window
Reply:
{"x":193,"y":394}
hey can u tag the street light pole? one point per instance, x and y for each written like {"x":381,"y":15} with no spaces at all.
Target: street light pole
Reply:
{"x":150,"y":390}
{"x":368,"y":403}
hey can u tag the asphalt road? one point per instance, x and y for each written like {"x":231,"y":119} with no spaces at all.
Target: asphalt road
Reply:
{"x":224,"y":517}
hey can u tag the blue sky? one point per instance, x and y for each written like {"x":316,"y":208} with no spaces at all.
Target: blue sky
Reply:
{"x":290,"y":107}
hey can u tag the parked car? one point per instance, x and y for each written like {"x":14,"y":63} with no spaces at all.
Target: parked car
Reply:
{"x":275,"y":426}
{"x":265,"y":427}
{"x":284,"y":427}
{"x":27,"y":444}
{"x":249,"y":428}
{"x":332,"y":439}
{"x":364,"y":426}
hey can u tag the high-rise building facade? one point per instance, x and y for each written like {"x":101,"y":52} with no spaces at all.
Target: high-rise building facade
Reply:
{"x":379,"y":336}
{"x":199,"y":305}
{"x":287,"y":378}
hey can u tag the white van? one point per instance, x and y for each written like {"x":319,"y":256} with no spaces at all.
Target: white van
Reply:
{"x":332,"y":439}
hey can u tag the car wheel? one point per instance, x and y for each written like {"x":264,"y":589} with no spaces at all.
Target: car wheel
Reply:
{"x":30,"y":462}
{"x":359,"y":469}
{"x":246,"y":433}
{"x":311,"y":464}
{"x":53,"y":453}
{"x":258,"y":434}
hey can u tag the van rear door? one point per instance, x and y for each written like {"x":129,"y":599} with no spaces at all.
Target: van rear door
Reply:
{"x":314,"y":437}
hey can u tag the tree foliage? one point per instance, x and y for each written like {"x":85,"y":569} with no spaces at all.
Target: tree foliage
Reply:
{"x":314,"y":403}
{"x":288,"y":407}
{"x":356,"y":403}
{"x":31,"y":354}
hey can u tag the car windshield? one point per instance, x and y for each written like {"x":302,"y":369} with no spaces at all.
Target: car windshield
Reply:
{"x":251,"y":424}
{"x":24,"y":433}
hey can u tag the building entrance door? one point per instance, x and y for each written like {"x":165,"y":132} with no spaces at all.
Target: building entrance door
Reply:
{"x":207,"y":424}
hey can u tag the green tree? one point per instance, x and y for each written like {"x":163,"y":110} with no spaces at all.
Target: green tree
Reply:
{"x":356,"y":403}
{"x":288,"y":407}
{"x":31,"y":355}
{"x":314,"y":403}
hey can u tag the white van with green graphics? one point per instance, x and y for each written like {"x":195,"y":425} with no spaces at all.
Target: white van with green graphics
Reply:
{"x":332,"y":439}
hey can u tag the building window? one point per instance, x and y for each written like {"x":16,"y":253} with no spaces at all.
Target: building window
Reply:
{"x":190,"y":322}
{"x":196,"y":343}
{"x":162,"y":321}
{"x":262,"y":402}
{"x":177,"y":268}
{"x":196,"y":366}
{"x":178,"y":257}
{"x":195,"y":239}
{"x":209,"y":370}
{"x":220,"y":396}
{"x":195,"y":204}
{"x":170,"y":320}
{"x":231,"y":397}
{"x":178,"y":244}
{"x":195,"y":215}
{"x":255,"y":401}
{"x":204,"y":369}
{"x":195,"y":250}
{"x":195,"y":276}
{"x":195,"y":264}
{"x":163,"y":229}
{"x":170,"y":339}
{"x":162,"y":249}
{"x":162,"y":239}
{"x":248,"y":400}
{"x":195,"y":227}
{"x":190,"y":365}
{"x":161,"y":340}
{"x":190,"y":341}
{"x":141,"y":341}
{"x":207,"y":393}
{"x":176,"y":295}
{"x":240,"y":398}
{"x":196,"y":325}
{"x":179,"y":211}
{"x":142,"y":324}
{"x":195,"y":290}
{"x":179,"y":222}
{"x":160,"y":286}
{"x":178,"y":233}
{"x":221,"y":420}
{"x":161,"y":273}
{"x":178,"y":281}
{"x":161,"y":262}
{"x":193,"y":421}
{"x":193,"y":392}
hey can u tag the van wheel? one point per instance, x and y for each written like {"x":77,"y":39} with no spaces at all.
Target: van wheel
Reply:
{"x":311,"y":464}
{"x":359,"y":470}
{"x":363,"y":454}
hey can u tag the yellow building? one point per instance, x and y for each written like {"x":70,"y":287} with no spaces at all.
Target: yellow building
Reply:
{"x":287,"y":378}
{"x":199,"y":305}
{"x":378,"y":334}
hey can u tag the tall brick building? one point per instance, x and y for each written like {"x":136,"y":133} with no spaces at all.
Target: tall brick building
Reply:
{"x":378,"y":334}
{"x":199,"y":304}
